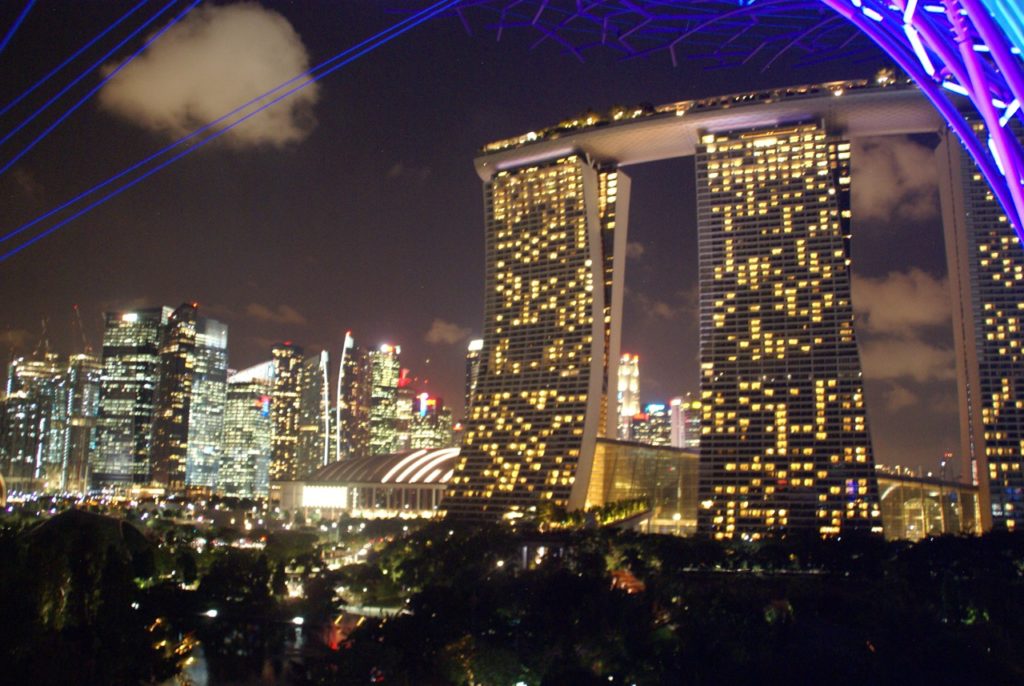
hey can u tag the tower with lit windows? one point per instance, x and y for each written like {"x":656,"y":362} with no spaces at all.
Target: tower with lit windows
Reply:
{"x":986,"y":274}
{"x":785,"y":443}
{"x":555,"y":233}
{"x":385,"y":372}
{"x":314,"y":412}
{"x":284,"y":410}
{"x":628,"y":394}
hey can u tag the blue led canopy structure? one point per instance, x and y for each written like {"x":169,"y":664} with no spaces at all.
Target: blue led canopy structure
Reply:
{"x":965,"y":55}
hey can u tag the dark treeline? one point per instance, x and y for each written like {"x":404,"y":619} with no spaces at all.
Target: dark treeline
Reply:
{"x":92,"y":599}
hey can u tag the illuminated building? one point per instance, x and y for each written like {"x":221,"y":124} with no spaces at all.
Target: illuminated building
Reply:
{"x":915,"y":506}
{"x":472,"y":371}
{"x":33,"y":448}
{"x":314,"y":415}
{"x":785,"y":443}
{"x":535,"y":414}
{"x":207,"y":404}
{"x":173,"y":398}
{"x":431,"y":424}
{"x":684,"y":417}
{"x":131,"y":369}
{"x":247,"y":429}
{"x":83,"y":380}
{"x":628,"y":395}
{"x":653,"y":426}
{"x":986,"y":270}
{"x":284,"y":410}
{"x":540,"y":400}
{"x":354,"y":401}
{"x":405,"y":401}
{"x":385,"y":371}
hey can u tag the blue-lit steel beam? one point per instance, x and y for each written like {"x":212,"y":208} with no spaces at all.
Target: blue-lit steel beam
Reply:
{"x":964,"y":54}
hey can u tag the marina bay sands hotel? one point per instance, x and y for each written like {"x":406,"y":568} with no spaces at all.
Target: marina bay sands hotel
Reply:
{"x":785,"y":441}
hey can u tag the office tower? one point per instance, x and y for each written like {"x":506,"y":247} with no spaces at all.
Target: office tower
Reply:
{"x":431,"y":426}
{"x":355,"y":386}
{"x":284,"y":411}
{"x":314,"y":421}
{"x":247,"y":433}
{"x":986,"y":275}
{"x":385,"y":370}
{"x":173,"y":399}
{"x":472,"y":371}
{"x":628,"y":394}
{"x":83,"y":383}
{"x":20,"y":438}
{"x":539,"y":401}
{"x":684,"y":417}
{"x":131,"y":369}
{"x":405,"y":400}
{"x":206,"y":407}
{"x":653,"y":425}
{"x":785,"y":443}
{"x":37,"y":394}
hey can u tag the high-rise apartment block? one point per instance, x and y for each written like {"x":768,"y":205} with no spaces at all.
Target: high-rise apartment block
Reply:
{"x":628,"y":394}
{"x":385,"y":371}
{"x":287,"y":359}
{"x":131,"y":369}
{"x":785,"y":441}
{"x":986,"y":273}
{"x":540,"y":401}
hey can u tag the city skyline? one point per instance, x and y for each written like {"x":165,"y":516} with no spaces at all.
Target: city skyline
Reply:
{"x":421,"y":210}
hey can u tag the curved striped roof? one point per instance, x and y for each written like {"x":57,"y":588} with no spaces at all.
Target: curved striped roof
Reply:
{"x":409,"y":467}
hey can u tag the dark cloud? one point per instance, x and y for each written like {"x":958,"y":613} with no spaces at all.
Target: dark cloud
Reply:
{"x":446,"y":333}
{"x":283,"y":314}
{"x":17,"y":340}
{"x":216,"y":59}
{"x":634,"y":250}
{"x":894,"y":178}
{"x":898,"y":397}
{"x":900,"y":302}
{"x":907,"y":358}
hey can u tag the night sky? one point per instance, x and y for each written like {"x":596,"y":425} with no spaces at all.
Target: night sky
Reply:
{"x":362,"y":210}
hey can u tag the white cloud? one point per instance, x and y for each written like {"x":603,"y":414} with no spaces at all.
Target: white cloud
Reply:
{"x":899,"y":397}
{"x":447,"y":333}
{"x":216,"y":59}
{"x":894,"y":178}
{"x":900,"y":302}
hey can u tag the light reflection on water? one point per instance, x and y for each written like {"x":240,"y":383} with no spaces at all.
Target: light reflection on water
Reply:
{"x":278,"y":668}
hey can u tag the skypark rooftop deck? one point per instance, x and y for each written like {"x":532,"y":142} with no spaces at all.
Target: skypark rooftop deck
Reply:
{"x":633,"y":135}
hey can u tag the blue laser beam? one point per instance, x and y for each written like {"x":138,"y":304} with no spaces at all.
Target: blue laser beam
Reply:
{"x":85,"y":73}
{"x":374,"y":43}
{"x":396,"y":27}
{"x":7,"y":108}
{"x":17,"y":23}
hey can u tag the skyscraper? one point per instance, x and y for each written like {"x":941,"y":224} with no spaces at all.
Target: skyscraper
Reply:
{"x":628,"y":394}
{"x":247,"y":429}
{"x":385,"y":370}
{"x":173,"y":398}
{"x":431,"y":426}
{"x":684,"y":415}
{"x":131,"y":368}
{"x":284,"y":411}
{"x":986,"y":273}
{"x":37,"y":397}
{"x":472,"y":371}
{"x":206,"y":407}
{"x":785,"y":443}
{"x":355,"y":386}
{"x":83,"y":380}
{"x":314,"y":408}
{"x":653,"y":426}
{"x":540,"y":398}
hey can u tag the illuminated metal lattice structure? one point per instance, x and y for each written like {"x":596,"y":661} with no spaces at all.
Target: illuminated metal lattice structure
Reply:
{"x":965,"y":55}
